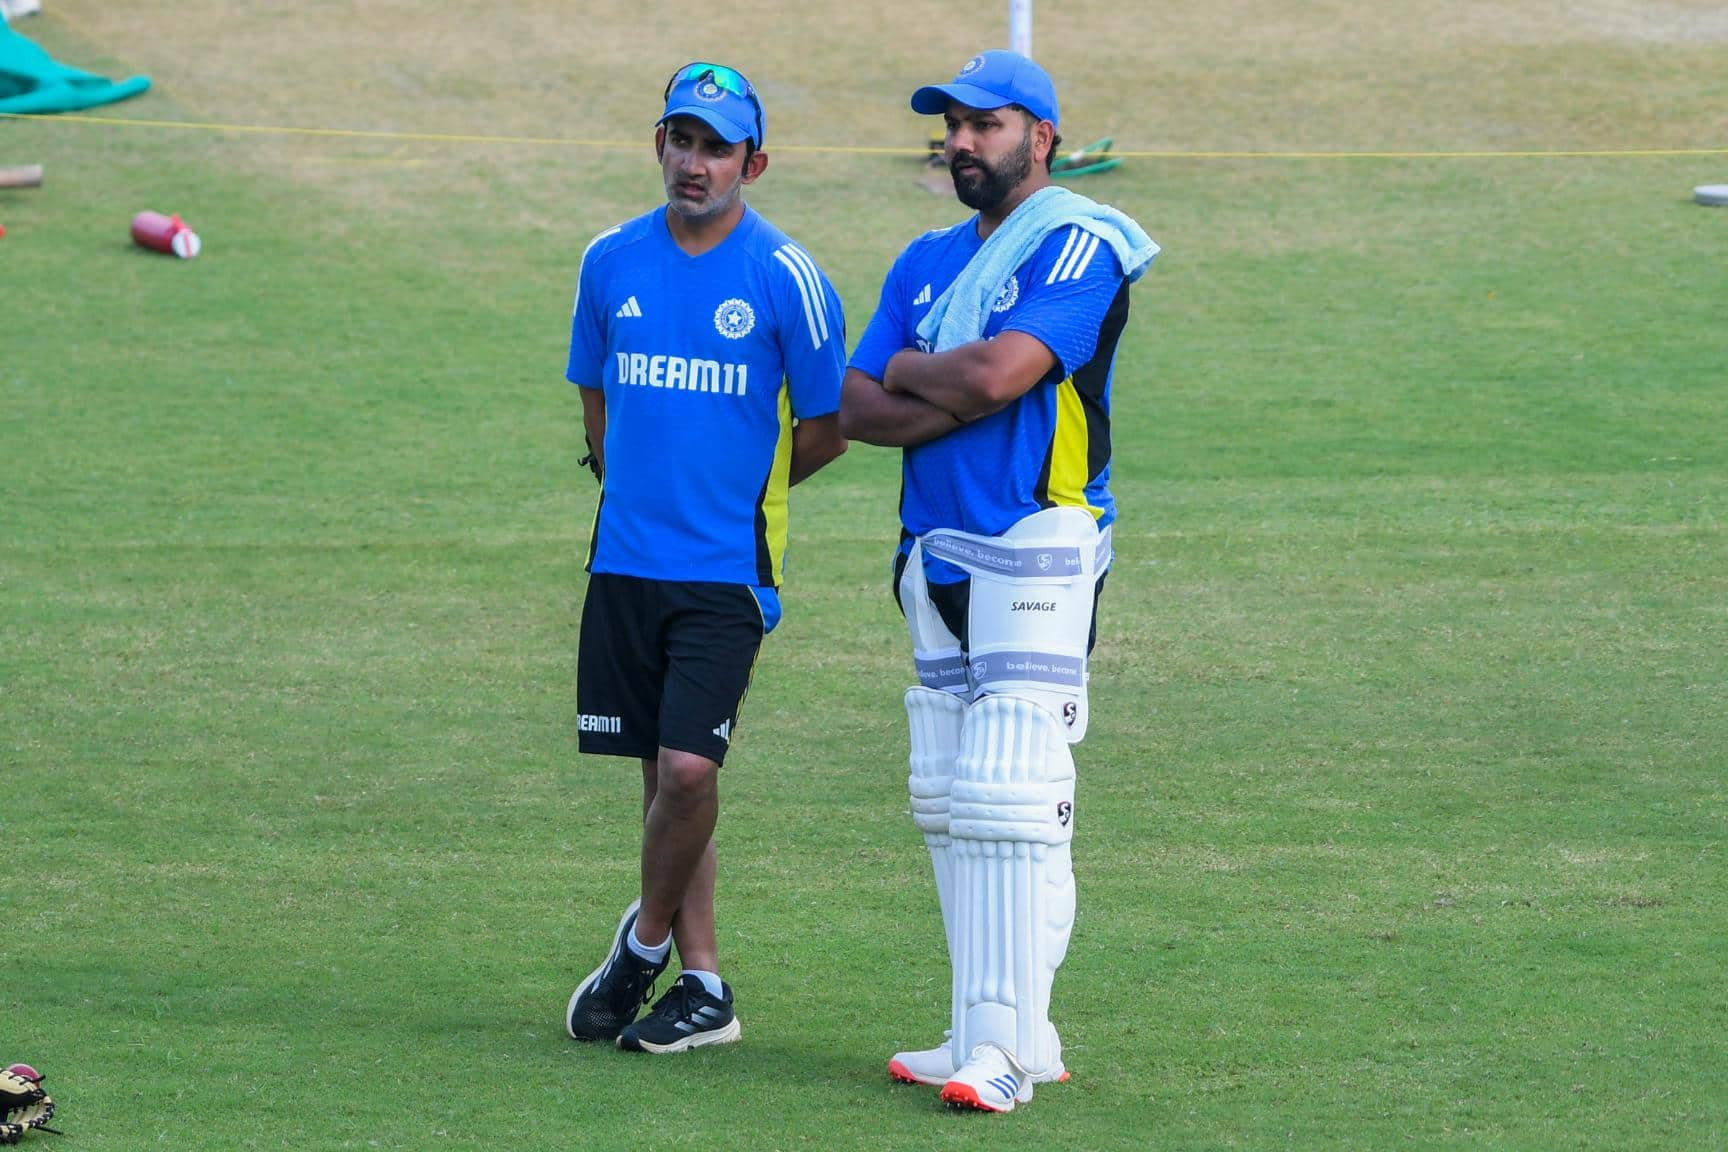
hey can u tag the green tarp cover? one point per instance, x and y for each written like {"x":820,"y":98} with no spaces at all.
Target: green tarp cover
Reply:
{"x":30,"y":80}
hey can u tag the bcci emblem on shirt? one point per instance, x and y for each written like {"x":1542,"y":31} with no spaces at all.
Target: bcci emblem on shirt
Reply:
{"x":734,"y":319}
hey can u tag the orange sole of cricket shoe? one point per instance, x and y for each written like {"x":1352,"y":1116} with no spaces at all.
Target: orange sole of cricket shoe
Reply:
{"x":899,"y":1073}
{"x":966,"y":1096}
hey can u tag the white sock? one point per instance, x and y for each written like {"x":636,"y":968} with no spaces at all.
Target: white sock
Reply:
{"x":710,"y":982}
{"x":655,"y":954}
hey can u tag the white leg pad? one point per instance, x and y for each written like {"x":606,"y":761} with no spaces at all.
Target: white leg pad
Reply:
{"x":936,"y":654}
{"x":1029,"y":611}
{"x":1011,"y":820}
{"x":935,"y":719}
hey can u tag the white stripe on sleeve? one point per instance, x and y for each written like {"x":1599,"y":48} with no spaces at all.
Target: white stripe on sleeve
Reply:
{"x":814,"y":316}
{"x":1084,"y":260}
{"x":821,"y":293}
{"x":1056,"y":269}
{"x":577,"y":302}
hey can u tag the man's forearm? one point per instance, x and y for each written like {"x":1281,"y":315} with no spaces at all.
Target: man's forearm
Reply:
{"x":870,"y":414}
{"x":594,"y":426}
{"x":948,"y":380}
{"x":973,"y":379}
{"x":816,"y":443}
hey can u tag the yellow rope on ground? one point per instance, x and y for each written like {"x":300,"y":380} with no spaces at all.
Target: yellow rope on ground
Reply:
{"x":839,"y":149}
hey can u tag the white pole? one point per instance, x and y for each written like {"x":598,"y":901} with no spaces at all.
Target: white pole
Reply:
{"x":1020,"y":26}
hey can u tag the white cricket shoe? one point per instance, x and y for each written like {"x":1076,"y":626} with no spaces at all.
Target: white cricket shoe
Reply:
{"x":991,"y":1080}
{"x":935,"y":1066}
{"x":931,"y":1066}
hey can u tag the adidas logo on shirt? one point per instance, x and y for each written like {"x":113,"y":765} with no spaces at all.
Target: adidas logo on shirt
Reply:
{"x":923,"y":296}
{"x":631,"y":308}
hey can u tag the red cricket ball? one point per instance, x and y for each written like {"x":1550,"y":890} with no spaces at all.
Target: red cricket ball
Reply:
{"x":27,"y":1072}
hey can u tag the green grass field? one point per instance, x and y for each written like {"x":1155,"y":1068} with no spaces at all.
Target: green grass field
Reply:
{"x":1402,"y":818}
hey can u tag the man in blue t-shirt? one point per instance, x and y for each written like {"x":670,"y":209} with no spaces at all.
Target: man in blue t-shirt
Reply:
{"x":708,"y":350}
{"x":989,"y":361}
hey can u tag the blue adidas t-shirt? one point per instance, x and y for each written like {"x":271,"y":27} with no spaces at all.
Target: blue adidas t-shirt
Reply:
{"x":1051,"y":446}
{"x":704,"y":361}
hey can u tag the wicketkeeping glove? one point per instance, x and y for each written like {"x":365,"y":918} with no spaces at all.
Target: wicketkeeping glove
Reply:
{"x":23,"y":1105}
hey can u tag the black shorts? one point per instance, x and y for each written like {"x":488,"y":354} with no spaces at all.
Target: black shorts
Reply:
{"x":952,"y":601}
{"x":663,"y":664}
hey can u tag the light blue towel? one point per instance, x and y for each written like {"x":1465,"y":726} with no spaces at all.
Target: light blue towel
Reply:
{"x":957,"y":316}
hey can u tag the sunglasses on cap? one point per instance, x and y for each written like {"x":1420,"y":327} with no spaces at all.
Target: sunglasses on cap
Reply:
{"x":724,"y":78}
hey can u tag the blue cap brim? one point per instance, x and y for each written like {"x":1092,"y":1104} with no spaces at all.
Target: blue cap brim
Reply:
{"x":730,"y":131}
{"x":932,"y":99}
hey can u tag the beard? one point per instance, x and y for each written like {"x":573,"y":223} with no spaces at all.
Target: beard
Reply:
{"x":713,"y":204}
{"x":985,"y":188}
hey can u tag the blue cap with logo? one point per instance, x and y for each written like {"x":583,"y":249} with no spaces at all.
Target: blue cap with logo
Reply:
{"x":991,"y":80}
{"x":718,"y":96}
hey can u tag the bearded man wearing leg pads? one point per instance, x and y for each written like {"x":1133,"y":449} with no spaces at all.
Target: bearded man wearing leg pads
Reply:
{"x":989,"y":361}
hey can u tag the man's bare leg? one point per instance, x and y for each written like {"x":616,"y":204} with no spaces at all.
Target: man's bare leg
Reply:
{"x":678,"y":857}
{"x":678,"y":869}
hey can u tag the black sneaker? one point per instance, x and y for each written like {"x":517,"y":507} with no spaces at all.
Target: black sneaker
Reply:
{"x":686,"y":1017}
{"x":614,"y":992}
